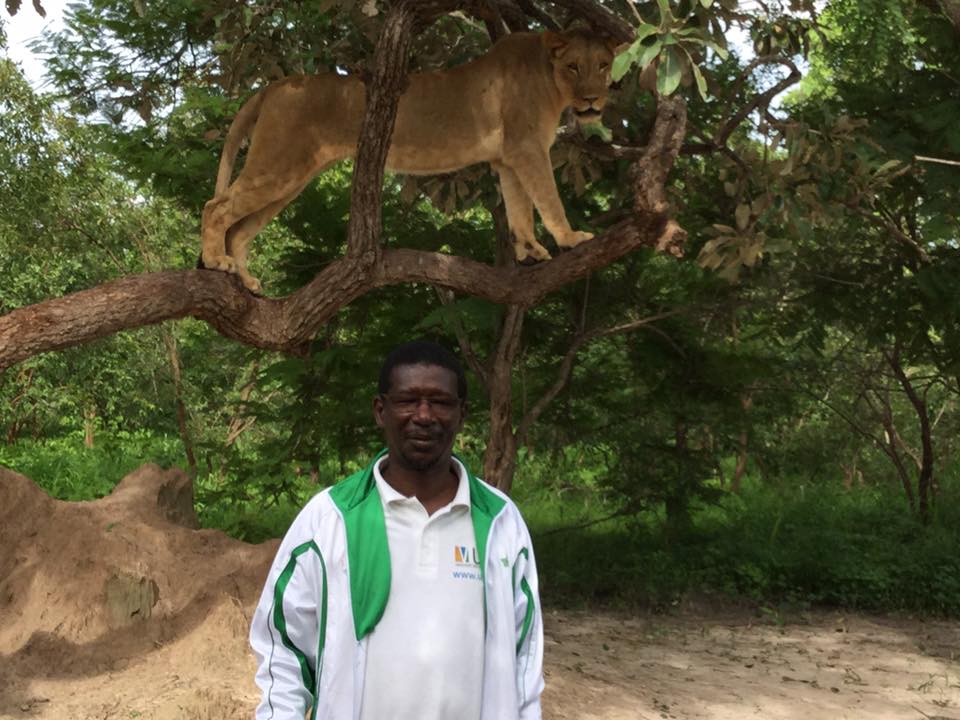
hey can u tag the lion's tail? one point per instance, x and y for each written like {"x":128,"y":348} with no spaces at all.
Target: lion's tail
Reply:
{"x":239,"y":130}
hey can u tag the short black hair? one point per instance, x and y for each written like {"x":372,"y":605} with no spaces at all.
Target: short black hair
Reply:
{"x":422,"y":352}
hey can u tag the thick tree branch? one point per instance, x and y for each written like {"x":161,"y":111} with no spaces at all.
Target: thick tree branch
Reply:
{"x":288,"y":324}
{"x":383,"y":98}
{"x":600,"y":18}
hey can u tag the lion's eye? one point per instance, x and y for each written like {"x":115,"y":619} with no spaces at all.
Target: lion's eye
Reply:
{"x":574,"y":68}
{"x":603,"y":66}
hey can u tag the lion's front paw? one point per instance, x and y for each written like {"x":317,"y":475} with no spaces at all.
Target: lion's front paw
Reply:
{"x":573,"y":238}
{"x":224,"y":263}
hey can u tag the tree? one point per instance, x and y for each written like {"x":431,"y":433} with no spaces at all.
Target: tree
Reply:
{"x":752,"y":182}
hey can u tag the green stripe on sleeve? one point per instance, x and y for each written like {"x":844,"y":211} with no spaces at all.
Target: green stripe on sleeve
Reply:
{"x":321,"y":636}
{"x":280,"y":621}
{"x":525,"y":589}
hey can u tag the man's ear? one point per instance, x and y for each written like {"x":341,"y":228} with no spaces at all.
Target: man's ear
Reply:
{"x":554,"y":42}
{"x":378,"y":410}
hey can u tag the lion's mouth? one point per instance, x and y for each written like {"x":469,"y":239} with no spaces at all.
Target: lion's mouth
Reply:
{"x":588,"y":115}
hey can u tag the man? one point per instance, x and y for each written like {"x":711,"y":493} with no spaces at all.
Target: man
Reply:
{"x":407,"y":591}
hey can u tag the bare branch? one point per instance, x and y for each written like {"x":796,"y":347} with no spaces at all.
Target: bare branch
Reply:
{"x":892,"y":229}
{"x":942,"y":161}
{"x":566,"y":366}
{"x":466,"y":347}
{"x":760,"y":101}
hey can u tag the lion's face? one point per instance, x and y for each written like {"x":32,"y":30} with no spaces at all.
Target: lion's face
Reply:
{"x":581,"y":69}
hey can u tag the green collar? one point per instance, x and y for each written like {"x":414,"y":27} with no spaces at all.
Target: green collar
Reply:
{"x":368,"y":553}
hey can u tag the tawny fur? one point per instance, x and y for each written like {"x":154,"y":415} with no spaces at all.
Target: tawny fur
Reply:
{"x":502,"y":108}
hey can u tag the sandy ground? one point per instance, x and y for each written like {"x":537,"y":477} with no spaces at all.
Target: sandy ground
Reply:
{"x":120,"y":609}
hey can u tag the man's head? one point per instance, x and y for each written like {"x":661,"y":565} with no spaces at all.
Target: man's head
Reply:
{"x":421,"y":404}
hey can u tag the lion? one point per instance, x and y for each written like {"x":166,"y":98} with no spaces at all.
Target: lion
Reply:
{"x":502,"y":108}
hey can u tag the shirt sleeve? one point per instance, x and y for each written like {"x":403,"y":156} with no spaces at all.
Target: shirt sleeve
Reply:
{"x":529,"y":624}
{"x":286,"y":628}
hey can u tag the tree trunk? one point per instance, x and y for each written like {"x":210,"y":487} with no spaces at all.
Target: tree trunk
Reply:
{"x":893,"y":453}
{"x":89,"y":418}
{"x":925,"y":476}
{"x":677,"y":501}
{"x":741,"y":466}
{"x":500,"y":458}
{"x":174,"y":355}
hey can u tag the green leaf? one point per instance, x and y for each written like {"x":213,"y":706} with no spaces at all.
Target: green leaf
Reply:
{"x":701,"y":82}
{"x":706,"y":3}
{"x":698,"y":76}
{"x":665,"y":15}
{"x":887,"y":167}
{"x":597,"y":129}
{"x":630,"y":56}
{"x":648,"y":54}
{"x":645,"y":30}
{"x":668,"y":74}
{"x":718,"y":49}
{"x":621,"y":64}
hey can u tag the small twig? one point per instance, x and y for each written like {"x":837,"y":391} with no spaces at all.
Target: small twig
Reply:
{"x":924,"y":158}
{"x":590,"y":523}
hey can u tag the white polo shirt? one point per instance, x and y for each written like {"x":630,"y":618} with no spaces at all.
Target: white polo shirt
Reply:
{"x":425,"y":656}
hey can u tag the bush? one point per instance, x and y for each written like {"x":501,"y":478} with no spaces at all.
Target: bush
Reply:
{"x":800,"y":545}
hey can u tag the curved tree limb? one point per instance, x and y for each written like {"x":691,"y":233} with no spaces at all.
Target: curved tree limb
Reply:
{"x":288,"y":324}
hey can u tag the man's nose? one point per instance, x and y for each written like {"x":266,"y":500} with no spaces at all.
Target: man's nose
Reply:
{"x":424,"y":411}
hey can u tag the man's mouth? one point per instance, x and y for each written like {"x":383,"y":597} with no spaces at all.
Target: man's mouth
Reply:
{"x":421,"y":440}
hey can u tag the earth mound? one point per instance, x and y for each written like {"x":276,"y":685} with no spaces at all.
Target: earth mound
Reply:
{"x":89,"y":589}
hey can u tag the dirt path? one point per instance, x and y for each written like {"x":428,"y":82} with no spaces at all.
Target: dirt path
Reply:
{"x":120,"y":609}
{"x":826,"y":667}
{"x":599,"y":666}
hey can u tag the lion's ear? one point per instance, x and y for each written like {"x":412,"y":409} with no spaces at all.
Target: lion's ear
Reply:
{"x":554,"y":41}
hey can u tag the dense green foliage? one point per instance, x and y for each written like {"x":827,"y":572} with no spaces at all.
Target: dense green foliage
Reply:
{"x":785,"y":431}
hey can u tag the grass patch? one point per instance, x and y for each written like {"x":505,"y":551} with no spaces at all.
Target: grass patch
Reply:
{"x":68,"y":470}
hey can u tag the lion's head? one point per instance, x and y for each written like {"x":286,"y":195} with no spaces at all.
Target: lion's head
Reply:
{"x":581,"y":69}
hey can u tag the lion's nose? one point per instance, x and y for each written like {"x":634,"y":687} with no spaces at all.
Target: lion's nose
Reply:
{"x":591,"y":98}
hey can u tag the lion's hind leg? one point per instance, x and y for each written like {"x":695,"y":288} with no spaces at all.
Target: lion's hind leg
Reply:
{"x":231,"y":220}
{"x":214,"y":224}
{"x":241,"y":234}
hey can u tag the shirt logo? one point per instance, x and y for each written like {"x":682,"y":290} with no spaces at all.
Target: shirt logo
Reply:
{"x":463,"y":555}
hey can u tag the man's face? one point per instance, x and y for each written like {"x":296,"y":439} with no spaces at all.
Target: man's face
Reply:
{"x":421,"y":415}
